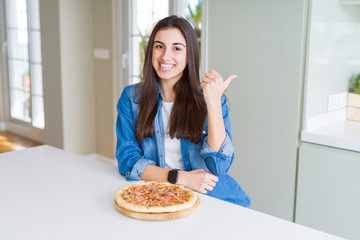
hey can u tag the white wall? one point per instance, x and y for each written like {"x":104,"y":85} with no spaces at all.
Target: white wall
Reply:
{"x":51,"y":60}
{"x":104,"y":80}
{"x":334,"y":52}
{"x":78,"y":90}
{"x":262,"y":42}
{"x":69,"y":94}
{"x":76,"y":44}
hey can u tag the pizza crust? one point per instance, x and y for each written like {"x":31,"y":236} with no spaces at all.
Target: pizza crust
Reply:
{"x":155,"y":209}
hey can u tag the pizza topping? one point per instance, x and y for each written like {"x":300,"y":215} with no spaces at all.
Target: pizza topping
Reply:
{"x":155,"y":195}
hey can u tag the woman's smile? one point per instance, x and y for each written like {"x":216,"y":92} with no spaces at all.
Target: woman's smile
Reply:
{"x":166,"y":67}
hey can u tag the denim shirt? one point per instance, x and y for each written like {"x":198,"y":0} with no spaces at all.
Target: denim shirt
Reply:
{"x":134,"y":156}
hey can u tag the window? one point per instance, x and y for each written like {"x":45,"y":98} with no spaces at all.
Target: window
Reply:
{"x":193,"y":14}
{"x":23,"y":62}
{"x":143,"y":15}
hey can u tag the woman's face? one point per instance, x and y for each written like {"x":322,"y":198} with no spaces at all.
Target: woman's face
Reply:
{"x":169,"y":54}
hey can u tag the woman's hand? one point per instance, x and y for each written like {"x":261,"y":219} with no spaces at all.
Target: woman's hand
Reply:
{"x":198,"y":180}
{"x":214,"y":86}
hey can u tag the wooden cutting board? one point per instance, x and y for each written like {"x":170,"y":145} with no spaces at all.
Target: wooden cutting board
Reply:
{"x":158,"y":216}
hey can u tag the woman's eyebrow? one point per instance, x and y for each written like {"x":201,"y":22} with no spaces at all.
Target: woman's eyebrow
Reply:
{"x":172,"y":44}
{"x":178,"y":44}
{"x":159,"y":42}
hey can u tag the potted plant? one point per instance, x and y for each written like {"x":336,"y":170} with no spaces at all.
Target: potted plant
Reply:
{"x":353,"y":100}
{"x":194,"y":16}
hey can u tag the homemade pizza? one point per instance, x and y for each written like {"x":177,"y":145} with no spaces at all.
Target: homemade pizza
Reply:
{"x":155,"y":197}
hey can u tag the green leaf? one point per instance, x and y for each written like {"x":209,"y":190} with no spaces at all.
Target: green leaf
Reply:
{"x":356,"y":85}
{"x":194,"y":16}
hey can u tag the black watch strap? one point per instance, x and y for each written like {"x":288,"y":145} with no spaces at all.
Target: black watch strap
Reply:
{"x":173,"y":176}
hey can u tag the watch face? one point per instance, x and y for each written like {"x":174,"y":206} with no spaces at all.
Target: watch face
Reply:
{"x":173,"y":176}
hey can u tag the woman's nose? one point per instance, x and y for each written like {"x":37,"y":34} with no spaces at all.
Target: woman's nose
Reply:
{"x":166,"y":55}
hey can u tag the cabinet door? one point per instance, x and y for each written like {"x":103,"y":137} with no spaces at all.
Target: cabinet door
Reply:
{"x":328,"y":191}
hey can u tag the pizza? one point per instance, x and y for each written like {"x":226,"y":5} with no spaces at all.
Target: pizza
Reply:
{"x":155,"y":197}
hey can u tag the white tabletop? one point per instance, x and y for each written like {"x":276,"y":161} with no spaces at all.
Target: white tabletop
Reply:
{"x":47,"y":193}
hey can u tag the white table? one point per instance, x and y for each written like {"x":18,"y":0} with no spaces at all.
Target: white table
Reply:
{"x":48,"y":193}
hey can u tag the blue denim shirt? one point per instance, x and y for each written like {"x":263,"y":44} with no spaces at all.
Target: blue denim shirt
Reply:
{"x":134,"y":156}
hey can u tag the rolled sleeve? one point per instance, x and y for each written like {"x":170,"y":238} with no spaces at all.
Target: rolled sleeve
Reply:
{"x":218,"y":162}
{"x":138,"y":169}
{"x":128,"y":151}
{"x":226,"y":149}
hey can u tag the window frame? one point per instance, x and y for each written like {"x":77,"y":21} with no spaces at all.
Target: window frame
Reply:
{"x":11,"y":123}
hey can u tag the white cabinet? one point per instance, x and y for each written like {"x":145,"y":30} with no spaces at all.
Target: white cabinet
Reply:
{"x":333,"y":54}
{"x":328,"y":180}
{"x":328,"y":190}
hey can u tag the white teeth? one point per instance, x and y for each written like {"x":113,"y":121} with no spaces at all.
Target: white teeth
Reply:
{"x":166,"y":66}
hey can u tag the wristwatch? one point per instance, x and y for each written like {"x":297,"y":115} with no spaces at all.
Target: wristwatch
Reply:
{"x":173,"y":176}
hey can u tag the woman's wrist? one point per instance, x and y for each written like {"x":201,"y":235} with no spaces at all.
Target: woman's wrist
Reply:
{"x":182,"y":178}
{"x":213,"y":106}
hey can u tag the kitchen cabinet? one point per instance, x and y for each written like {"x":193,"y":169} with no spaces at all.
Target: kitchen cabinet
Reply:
{"x":328,"y":191}
{"x":328,"y":195}
{"x":333,"y":55}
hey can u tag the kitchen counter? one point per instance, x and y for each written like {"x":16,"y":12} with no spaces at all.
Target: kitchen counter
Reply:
{"x":332,"y":129}
{"x":48,"y":193}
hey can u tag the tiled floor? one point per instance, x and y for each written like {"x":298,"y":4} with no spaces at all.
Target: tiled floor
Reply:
{"x":12,"y":142}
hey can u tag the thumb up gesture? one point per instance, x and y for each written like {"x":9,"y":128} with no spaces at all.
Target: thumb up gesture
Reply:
{"x":214,"y":86}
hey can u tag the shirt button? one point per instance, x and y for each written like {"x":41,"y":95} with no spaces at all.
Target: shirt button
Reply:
{"x":186,"y":162}
{"x":204,"y":132}
{"x":157,"y":131}
{"x":161,"y":156}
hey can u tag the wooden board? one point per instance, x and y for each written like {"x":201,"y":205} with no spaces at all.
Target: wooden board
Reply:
{"x":158,"y":216}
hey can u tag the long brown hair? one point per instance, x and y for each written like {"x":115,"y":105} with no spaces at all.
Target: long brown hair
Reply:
{"x":188,"y":115}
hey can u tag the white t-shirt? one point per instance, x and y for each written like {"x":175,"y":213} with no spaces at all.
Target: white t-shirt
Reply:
{"x":173,"y":157}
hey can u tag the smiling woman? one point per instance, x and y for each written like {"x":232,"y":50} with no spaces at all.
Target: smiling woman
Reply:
{"x":171,"y":128}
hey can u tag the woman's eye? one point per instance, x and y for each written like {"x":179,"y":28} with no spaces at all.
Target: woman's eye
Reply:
{"x":159,"y":46}
{"x":177,"y":49}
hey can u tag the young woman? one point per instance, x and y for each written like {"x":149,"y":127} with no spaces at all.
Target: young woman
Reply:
{"x":173,"y":128}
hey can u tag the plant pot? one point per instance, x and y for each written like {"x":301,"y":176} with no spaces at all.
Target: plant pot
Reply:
{"x":353,"y":107}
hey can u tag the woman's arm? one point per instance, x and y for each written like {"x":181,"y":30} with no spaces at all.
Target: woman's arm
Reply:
{"x":198,"y":180}
{"x":213,"y":88}
{"x":128,"y":151}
